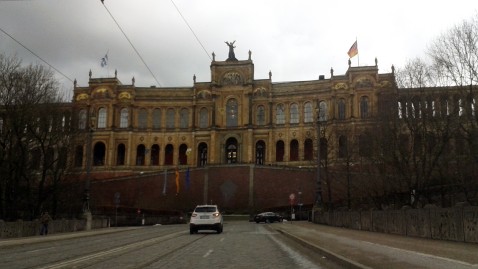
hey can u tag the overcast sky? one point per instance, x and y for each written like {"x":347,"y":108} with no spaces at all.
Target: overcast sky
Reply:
{"x":295,"y":40}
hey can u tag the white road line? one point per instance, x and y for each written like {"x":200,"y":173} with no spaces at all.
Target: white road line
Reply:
{"x":208,"y":253}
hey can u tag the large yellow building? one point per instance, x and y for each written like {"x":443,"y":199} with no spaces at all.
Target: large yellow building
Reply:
{"x":234,"y":118}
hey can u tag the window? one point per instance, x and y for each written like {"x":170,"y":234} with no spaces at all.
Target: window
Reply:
{"x":202,"y":154}
{"x":231,"y":113}
{"x":322,"y":111}
{"x":155,"y":154}
{"x":170,"y":118}
{"x":260,"y":116}
{"x":203,"y":118}
{"x":124,"y":118}
{"x":280,"y":114}
{"x":183,"y":156}
{"x":341,"y":108}
{"x":142,"y":119}
{"x":102,"y":118}
{"x":280,"y":151}
{"x":82,"y":119}
{"x":294,"y":150}
{"x":157,"y":118}
{"x":168,"y":154}
{"x":294,"y":114}
{"x":99,"y":154}
{"x":308,"y":112}
{"x":308,"y":150}
{"x":184,"y":118}
{"x":140,"y":153}
{"x":364,"y":107}
{"x":231,"y":150}
{"x":343,"y":151}
{"x":260,"y":152}
{"x":120,"y":154}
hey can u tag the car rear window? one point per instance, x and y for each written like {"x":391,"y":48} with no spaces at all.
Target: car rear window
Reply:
{"x":206,"y":209}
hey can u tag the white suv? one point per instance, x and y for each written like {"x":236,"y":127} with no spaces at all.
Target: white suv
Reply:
{"x":205,"y":217}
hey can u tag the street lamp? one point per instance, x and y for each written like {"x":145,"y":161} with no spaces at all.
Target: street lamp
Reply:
{"x":321,"y":119}
{"x":89,"y":153}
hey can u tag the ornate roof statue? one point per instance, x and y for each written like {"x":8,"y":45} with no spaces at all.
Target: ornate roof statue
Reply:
{"x":232,"y":56}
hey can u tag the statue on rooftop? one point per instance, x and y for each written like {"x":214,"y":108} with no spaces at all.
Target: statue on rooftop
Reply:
{"x":232,"y":56}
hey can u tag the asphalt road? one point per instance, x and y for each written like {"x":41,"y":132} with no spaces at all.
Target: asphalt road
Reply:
{"x":241,"y":245}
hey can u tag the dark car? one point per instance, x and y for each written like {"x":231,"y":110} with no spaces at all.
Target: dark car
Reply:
{"x":268,"y":217}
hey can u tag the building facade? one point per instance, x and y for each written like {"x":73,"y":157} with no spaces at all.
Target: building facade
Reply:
{"x":234,"y":118}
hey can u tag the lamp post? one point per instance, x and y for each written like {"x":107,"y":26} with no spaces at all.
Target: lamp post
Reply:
{"x":89,"y":153}
{"x":321,"y":118}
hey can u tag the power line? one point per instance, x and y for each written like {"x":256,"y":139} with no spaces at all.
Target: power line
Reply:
{"x":191,"y":30}
{"x":36,"y":55}
{"x":139,"y":55}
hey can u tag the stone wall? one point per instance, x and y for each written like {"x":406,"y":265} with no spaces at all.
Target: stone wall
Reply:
{"x":454,"y":224}
{"x":22,"y":228}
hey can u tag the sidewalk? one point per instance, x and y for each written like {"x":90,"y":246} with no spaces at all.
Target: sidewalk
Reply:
{"x":59,"y":236}
{"x":361,"y":249}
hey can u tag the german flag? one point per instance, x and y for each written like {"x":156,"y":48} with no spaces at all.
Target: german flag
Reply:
{"x":353,"y":50}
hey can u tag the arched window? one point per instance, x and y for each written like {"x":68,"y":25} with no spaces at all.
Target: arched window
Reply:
{"x":202,"y":154}
{"x":294,"y":113}
{"x":232,"y":113}
{"x":231,"y":150}
{"x":170,"y":118}
{"x":156,"y":118}
{"x":294,"y":150}
{"x":203,"y":118}
{"x":308,"y":112}
{"x":102,"y":118}
{"x":142,"y":118}
{"x":168,"y":154}
{"x":140,"y":153}
{"x":120,"y":154}
{"x":341,"y":108}
{"x":260,"y":152}
{"x":99,"y":154}
{"x":364,"y":107}
{"x":155,"y":154}
{"x":82,"y":119}
{"x":184,"y":118}
{"x":308,"y":150}
{"x":280,"y":114}
{"x":343,"y":151}
{"x":183,"y":157}
{"x":280,"y":151}
{"x":260,"y":115}
{"x":124,"y":115}
{"x":322,"y":111}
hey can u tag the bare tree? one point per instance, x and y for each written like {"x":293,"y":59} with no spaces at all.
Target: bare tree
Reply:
{"x":34,"y":135}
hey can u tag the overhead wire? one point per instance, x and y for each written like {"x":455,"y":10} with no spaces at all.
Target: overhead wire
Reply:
{"x":36,"y":55}
{"x":192,"y":31}
{"x":127,"y":38}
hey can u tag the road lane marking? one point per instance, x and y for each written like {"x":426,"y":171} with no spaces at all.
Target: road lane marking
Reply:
{"x":208,"y":253}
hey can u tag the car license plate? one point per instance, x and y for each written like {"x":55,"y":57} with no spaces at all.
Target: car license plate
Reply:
{"x":204,"y":217}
